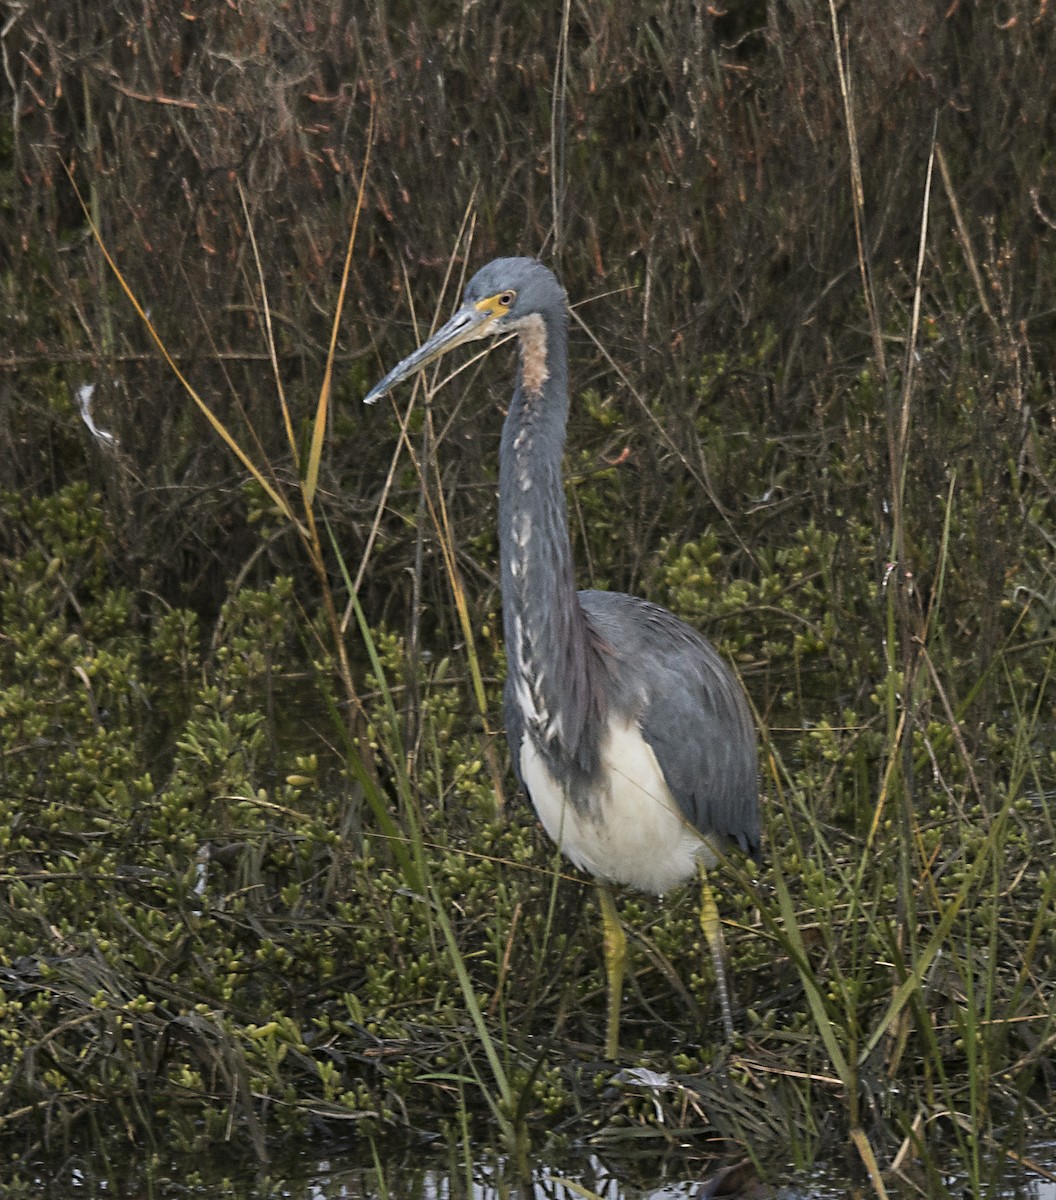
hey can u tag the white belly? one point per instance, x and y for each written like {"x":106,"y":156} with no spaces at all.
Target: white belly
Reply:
{"x":633,"y":832}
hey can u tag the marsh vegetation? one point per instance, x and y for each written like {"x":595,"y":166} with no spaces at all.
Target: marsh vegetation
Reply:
{"x":264,"y":874}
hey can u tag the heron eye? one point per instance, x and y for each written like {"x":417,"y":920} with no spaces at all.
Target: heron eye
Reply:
{"x":507,"y":298}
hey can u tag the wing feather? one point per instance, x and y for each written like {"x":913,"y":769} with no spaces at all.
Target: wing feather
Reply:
{"x":691,"y":710}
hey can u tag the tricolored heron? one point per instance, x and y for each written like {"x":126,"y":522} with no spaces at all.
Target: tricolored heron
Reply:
{"x":630,"y":734}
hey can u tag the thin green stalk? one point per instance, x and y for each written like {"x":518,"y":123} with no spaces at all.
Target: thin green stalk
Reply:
{"x":498,"y":1071}
{"x":822,"y":1021}
{"x":921,"y":964}
{"x":381,"y":1188}
{"x":423,"y":881}
{"x":417,"y":876}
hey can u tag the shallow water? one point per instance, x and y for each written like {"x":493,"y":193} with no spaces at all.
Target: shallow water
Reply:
{"x":348,"y":1176}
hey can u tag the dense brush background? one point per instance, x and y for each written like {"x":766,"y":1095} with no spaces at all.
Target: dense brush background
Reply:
{"x":845,"y":474}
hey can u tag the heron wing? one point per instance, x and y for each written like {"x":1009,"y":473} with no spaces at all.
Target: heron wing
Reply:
{"x":514,"y":727}
{"x":691,"y":711}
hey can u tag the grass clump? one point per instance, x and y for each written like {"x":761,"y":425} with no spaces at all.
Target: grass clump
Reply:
{"x":181,"y":899}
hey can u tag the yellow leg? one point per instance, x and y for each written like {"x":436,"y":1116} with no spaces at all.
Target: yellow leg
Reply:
{"x":709,"y":922}
{"x":614,"y":941}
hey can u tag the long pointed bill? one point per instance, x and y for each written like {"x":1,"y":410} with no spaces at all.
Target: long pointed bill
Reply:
{"x":469,"y":323}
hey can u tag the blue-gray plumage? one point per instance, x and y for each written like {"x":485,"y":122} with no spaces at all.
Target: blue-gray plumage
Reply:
{"x":630,"y":734}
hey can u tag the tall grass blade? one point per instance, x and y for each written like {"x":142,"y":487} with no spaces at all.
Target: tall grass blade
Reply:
{"x":315,"y":453}
{"x":498,"y":1071}
{"x":228,"y":438}
{"x":865,"y":1153}
{"x":926,"y":957}
{"x":269,"y":332}
{"x":818,"y":1010}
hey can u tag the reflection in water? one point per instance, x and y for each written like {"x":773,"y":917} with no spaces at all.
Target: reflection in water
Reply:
{"x":616,"y":1180}
{"x":447,"y":1177}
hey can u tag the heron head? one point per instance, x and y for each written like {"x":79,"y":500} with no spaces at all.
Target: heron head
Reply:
{"x":499,"y":299}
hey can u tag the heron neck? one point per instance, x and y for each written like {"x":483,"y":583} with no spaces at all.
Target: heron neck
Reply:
{"x":548,"y":646}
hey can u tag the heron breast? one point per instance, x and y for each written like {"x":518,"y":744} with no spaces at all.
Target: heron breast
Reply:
{"x":535,"y":369}
{"x":626,"y":827}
